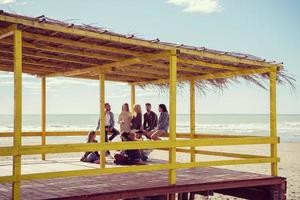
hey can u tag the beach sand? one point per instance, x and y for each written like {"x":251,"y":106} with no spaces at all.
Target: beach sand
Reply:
{"x":289,"y":165}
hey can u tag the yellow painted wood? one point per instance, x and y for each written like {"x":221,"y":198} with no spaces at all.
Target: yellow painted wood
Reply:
{"x":43,"y":113}
{"x":192,"y":118}
{"x":102,"y":118}
{"x":109,"y":66}
{"x":217,"y":153}
{"x":273,"y":122}
{"x":132,"y":99}
{"x":82,"y":147}
{"x":66,"y":51}
{"x":172,"y":120}
{"x":132,"y":41}
{"x":213,"y":76}
{"x":17,"y":112}
{"x":209,"y":65}
{"x":134,"y":169}
{"x":79,"y":44}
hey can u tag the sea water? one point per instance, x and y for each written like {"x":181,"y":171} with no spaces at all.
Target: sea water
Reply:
{"x":288,"y":126}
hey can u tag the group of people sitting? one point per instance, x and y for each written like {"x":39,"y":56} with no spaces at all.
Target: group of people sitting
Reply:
{"x":132,"y":127}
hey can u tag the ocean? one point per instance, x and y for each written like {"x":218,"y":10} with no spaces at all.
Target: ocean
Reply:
{"x":288,"y":126}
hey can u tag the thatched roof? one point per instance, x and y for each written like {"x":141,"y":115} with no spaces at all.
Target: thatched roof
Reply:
{"x":54,"y":48}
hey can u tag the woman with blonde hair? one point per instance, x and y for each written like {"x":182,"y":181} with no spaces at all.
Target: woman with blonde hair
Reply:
{"x":125,"y":118}
{"x":136,"y":122}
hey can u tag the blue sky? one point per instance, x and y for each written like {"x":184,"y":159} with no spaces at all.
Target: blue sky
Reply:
{"x":268,"y":29}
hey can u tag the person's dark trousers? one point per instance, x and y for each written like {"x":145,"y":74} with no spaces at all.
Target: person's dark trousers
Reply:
{"x":114,"y":131}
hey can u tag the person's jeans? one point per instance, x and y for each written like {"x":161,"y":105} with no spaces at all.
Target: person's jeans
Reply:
{"x":115,"y":132}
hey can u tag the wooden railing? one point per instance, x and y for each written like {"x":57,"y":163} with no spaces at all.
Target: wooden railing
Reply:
{"x":182,"y":145}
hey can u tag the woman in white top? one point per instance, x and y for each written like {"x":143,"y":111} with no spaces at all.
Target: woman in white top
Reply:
{"x":125,"y":118}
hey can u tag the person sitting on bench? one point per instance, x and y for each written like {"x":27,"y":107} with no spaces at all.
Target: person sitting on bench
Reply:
{"x":109,"y":125}
{"x":163,"y":124}
{"x":91,"y":156}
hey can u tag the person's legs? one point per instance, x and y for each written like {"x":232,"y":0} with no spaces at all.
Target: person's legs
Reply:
{"x":106,"y":140}
{"x":157,"y":134}
{"x":148,"y":134}
{"x":115,"y":132}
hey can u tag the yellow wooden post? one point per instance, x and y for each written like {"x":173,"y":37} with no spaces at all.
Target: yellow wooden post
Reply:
{"x":172,"y":97}
{"x":132,"y":97}
{"x":102,"y":118}
{"x":17,"y":112}
{"x":273,"y":121}
{"x":43,"y":113}
{"x":192,"y":117}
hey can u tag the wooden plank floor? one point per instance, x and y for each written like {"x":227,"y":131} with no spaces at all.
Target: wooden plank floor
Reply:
{"x":138,"y":184}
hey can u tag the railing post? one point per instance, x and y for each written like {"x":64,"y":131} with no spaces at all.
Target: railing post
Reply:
{"x":192,"y":117}
{"x":43,"y":112}
{"x":102,"y":118}
{"x":273,"y":121}
{"x":172,"y":99}
{"x":132,"y":97}
{"x":17,"y":112}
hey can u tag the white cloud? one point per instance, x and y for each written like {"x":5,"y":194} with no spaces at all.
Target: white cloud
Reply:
{"x":4,"y":2}
{"x":10,"y":2}
{"x":204,"y":6}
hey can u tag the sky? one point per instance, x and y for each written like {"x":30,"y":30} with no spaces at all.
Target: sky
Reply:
{"x":268,"y":29}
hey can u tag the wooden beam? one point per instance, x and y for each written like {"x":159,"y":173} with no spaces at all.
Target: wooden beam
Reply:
{"x":66,"y":51}
{"x":102,"y":118}
{"x":132,"y":99}
{"x":209,"y":65}
{"x":214,"y":76}
{"x":8,"y":31}
{"x":273,"y":122}
{"x":172,"y":104}
{"x":16,"y":190}
{"x":192,"y":118}
{"x":182,"y":68}
{"x":43,"y":113}
{"x":131,"y":72}
{"x":56,"y":58}
{"x":130,"y":41}
{"x":28,"y":67}
{"x":72,"y":43}
{"x":37,"y":65}
{"x":109,"y":66}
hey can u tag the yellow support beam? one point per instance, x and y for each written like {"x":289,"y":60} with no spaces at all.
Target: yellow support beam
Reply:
{"x":209,"y":65}
{"x":79,"y":44}
{"x":172,"y":120}
{"x":110,"y":66}
{"x":82,"y":147}
{"x":102,"y":118}
{"x":214,"y":76}
{"x":132,"y":99}
{"x":273,"y":122}
{"x":17,"y":112}
{"x":192,"y":118}
{"x":43,"y":113}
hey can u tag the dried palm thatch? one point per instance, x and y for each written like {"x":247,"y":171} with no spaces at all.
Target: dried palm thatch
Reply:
{"x":53,"y":48}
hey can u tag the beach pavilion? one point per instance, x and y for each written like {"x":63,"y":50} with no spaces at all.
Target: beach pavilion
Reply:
{"x":49,"y":48}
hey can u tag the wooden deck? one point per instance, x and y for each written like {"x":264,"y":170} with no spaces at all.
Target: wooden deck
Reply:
{"x":204,"y":181}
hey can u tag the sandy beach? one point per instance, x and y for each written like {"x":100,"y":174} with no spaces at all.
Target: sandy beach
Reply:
{"x":288,"y":167}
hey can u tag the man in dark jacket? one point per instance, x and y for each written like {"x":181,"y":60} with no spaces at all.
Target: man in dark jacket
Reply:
{"x":150,"y":119}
